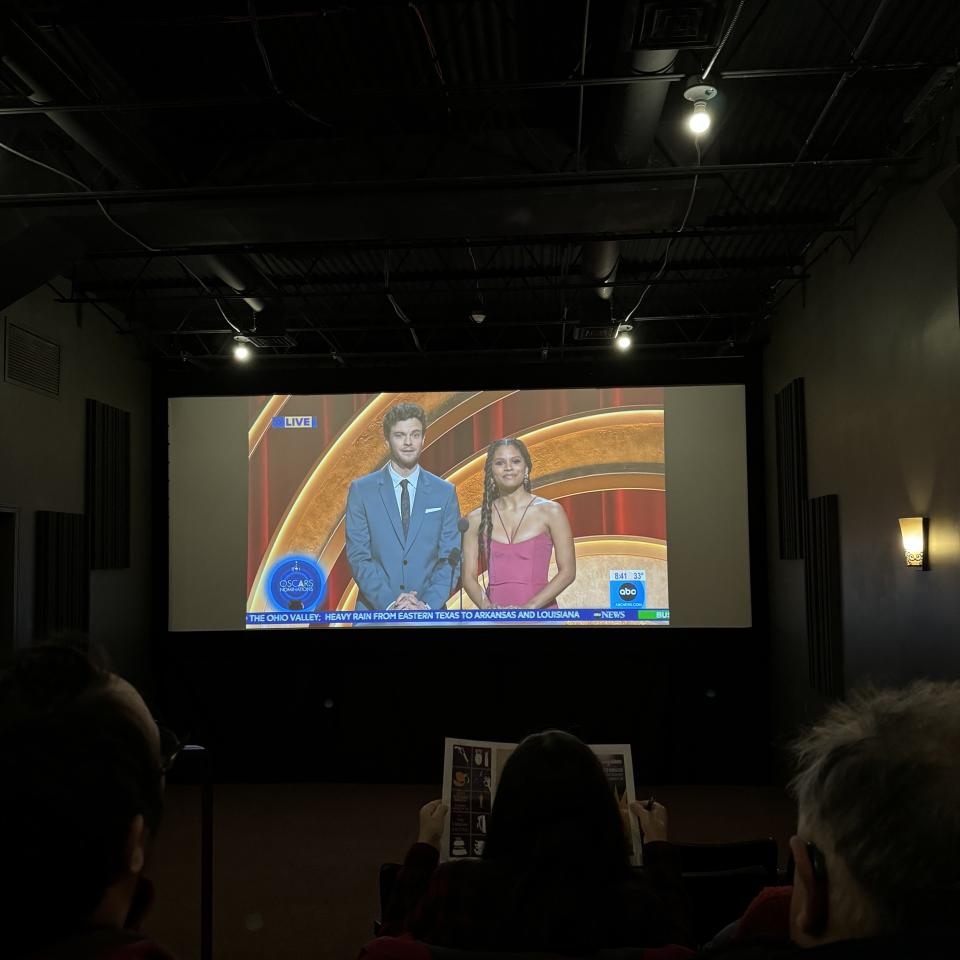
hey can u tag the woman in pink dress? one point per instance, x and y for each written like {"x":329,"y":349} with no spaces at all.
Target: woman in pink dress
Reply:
{"x":513,"y":534}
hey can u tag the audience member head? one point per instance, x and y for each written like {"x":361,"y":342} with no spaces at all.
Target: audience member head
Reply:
{"x":878,"y":794}
{"x":81,"y":797}
{"x":557,"y":847}
{"x":555,"y":809}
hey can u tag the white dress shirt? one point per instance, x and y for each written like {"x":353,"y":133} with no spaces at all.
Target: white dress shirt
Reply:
{"x":413,"y":479}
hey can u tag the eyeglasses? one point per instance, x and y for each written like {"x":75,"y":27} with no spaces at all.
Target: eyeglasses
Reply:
{"x":818,"y":862}
{"x":170,"y":747}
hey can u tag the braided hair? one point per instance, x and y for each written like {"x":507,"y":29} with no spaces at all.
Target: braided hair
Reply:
{"x":490,"y":493}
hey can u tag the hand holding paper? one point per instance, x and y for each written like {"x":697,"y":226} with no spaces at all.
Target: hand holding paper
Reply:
{"x":653,"y":819}
{"x":432,"y":816}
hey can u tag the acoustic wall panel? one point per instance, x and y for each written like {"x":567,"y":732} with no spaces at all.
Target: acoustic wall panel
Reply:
{"x":822,"y":594}
{"x":791,"y":469}
{"x":62,"y":581}
{"x":108,"y":485}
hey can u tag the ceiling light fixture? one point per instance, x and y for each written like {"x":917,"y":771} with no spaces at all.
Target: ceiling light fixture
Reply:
{"x":241,"y":350}
{"x":699,"y":94}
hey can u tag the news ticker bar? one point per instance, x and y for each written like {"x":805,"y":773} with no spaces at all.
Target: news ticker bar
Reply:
{"x":329,"y":617}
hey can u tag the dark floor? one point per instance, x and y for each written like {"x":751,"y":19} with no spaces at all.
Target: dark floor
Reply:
{"x":295,"y":865}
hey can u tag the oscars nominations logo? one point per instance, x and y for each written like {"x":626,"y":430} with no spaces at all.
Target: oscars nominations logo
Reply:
{"x":297,"y":583}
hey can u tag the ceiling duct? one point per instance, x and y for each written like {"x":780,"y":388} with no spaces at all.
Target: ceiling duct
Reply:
{"x":627,"y":142}
{"x":655,"y":32}
{"x":84,"y":129}
{"x":239,"y":274}
{"x":25,"y":55}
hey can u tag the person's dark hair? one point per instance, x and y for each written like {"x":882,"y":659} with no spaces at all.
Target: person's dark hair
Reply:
{"x":558,"y":837}
{"x":490,"y":493}
{"x":403,"y":411}
{"x":77,"y":768}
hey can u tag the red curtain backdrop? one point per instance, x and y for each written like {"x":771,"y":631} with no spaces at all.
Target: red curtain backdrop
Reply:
{"x":284,"y":459}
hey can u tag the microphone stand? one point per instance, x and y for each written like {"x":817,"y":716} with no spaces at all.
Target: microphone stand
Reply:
{"x":453,"y":560}
{"x":462,"y":524}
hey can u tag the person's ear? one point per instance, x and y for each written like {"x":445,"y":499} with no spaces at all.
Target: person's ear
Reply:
{"x":135,"y":855}
{"x":809,"y":906}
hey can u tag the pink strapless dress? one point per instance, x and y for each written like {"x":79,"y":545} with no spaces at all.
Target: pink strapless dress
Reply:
{"x":519,"y":570}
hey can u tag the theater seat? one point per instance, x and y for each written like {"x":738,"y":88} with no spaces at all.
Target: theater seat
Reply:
{"x":719,"y":897}
{"x":720,"y":880}
{"x":711,"y":857}
{"x":404,"y":948}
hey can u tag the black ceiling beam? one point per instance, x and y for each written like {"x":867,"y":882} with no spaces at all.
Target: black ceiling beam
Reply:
{"x":137,"y":106}
{"x":60,"y":18}
{"x":519,"y":287}
{"x":630,"y":270}
{"x":291,"y":247}
{"x":879,"y":12}
{"x":532,"y":353}
{"x":381,"y":325}
{"x":378,"y":187}
{"x":448,"y":91}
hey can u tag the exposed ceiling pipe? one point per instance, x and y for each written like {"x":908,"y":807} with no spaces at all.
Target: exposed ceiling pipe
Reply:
{"x":88,"y":131}
{"x":75,"y":126}
{"x":235,"y":271}
{"x":628,"y":140}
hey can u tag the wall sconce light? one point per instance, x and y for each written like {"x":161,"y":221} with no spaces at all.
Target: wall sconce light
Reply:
{"x":914,"y":533}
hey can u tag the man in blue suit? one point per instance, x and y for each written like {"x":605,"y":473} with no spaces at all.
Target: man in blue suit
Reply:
{"x":401,"y":524}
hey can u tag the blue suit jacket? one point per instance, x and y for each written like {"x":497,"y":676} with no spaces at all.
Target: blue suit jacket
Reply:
{"x":383,"y":563}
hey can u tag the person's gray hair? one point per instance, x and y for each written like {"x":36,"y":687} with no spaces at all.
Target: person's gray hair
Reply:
{"x":878,"y":784}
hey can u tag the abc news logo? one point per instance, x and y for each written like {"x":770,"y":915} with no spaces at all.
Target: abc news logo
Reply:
{"x":627,"y":591}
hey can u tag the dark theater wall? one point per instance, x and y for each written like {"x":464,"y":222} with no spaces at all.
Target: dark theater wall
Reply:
{"x":877,"y":341}
{"x":43,"y":439}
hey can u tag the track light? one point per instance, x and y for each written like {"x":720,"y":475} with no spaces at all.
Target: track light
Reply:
{"x":241,"y":351}
{"x":621,"y":336}
{"x":699,"y":120}
{"x":699,"y":94}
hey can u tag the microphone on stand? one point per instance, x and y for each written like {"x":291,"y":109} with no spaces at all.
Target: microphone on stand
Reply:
{"x":462,"y":525}
{"x":453,"y":559}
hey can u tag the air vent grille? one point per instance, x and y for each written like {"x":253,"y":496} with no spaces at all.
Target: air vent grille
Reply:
{"x":31,"y":361}
{"x":669,"y":24}
{"x":278,"y":340}
{"x":594,"y":333}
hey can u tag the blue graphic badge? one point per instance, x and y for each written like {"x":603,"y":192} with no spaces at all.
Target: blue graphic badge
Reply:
{"x":293,"y":423}
{"x":628,"y":588}
{"x":297,"y":583}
